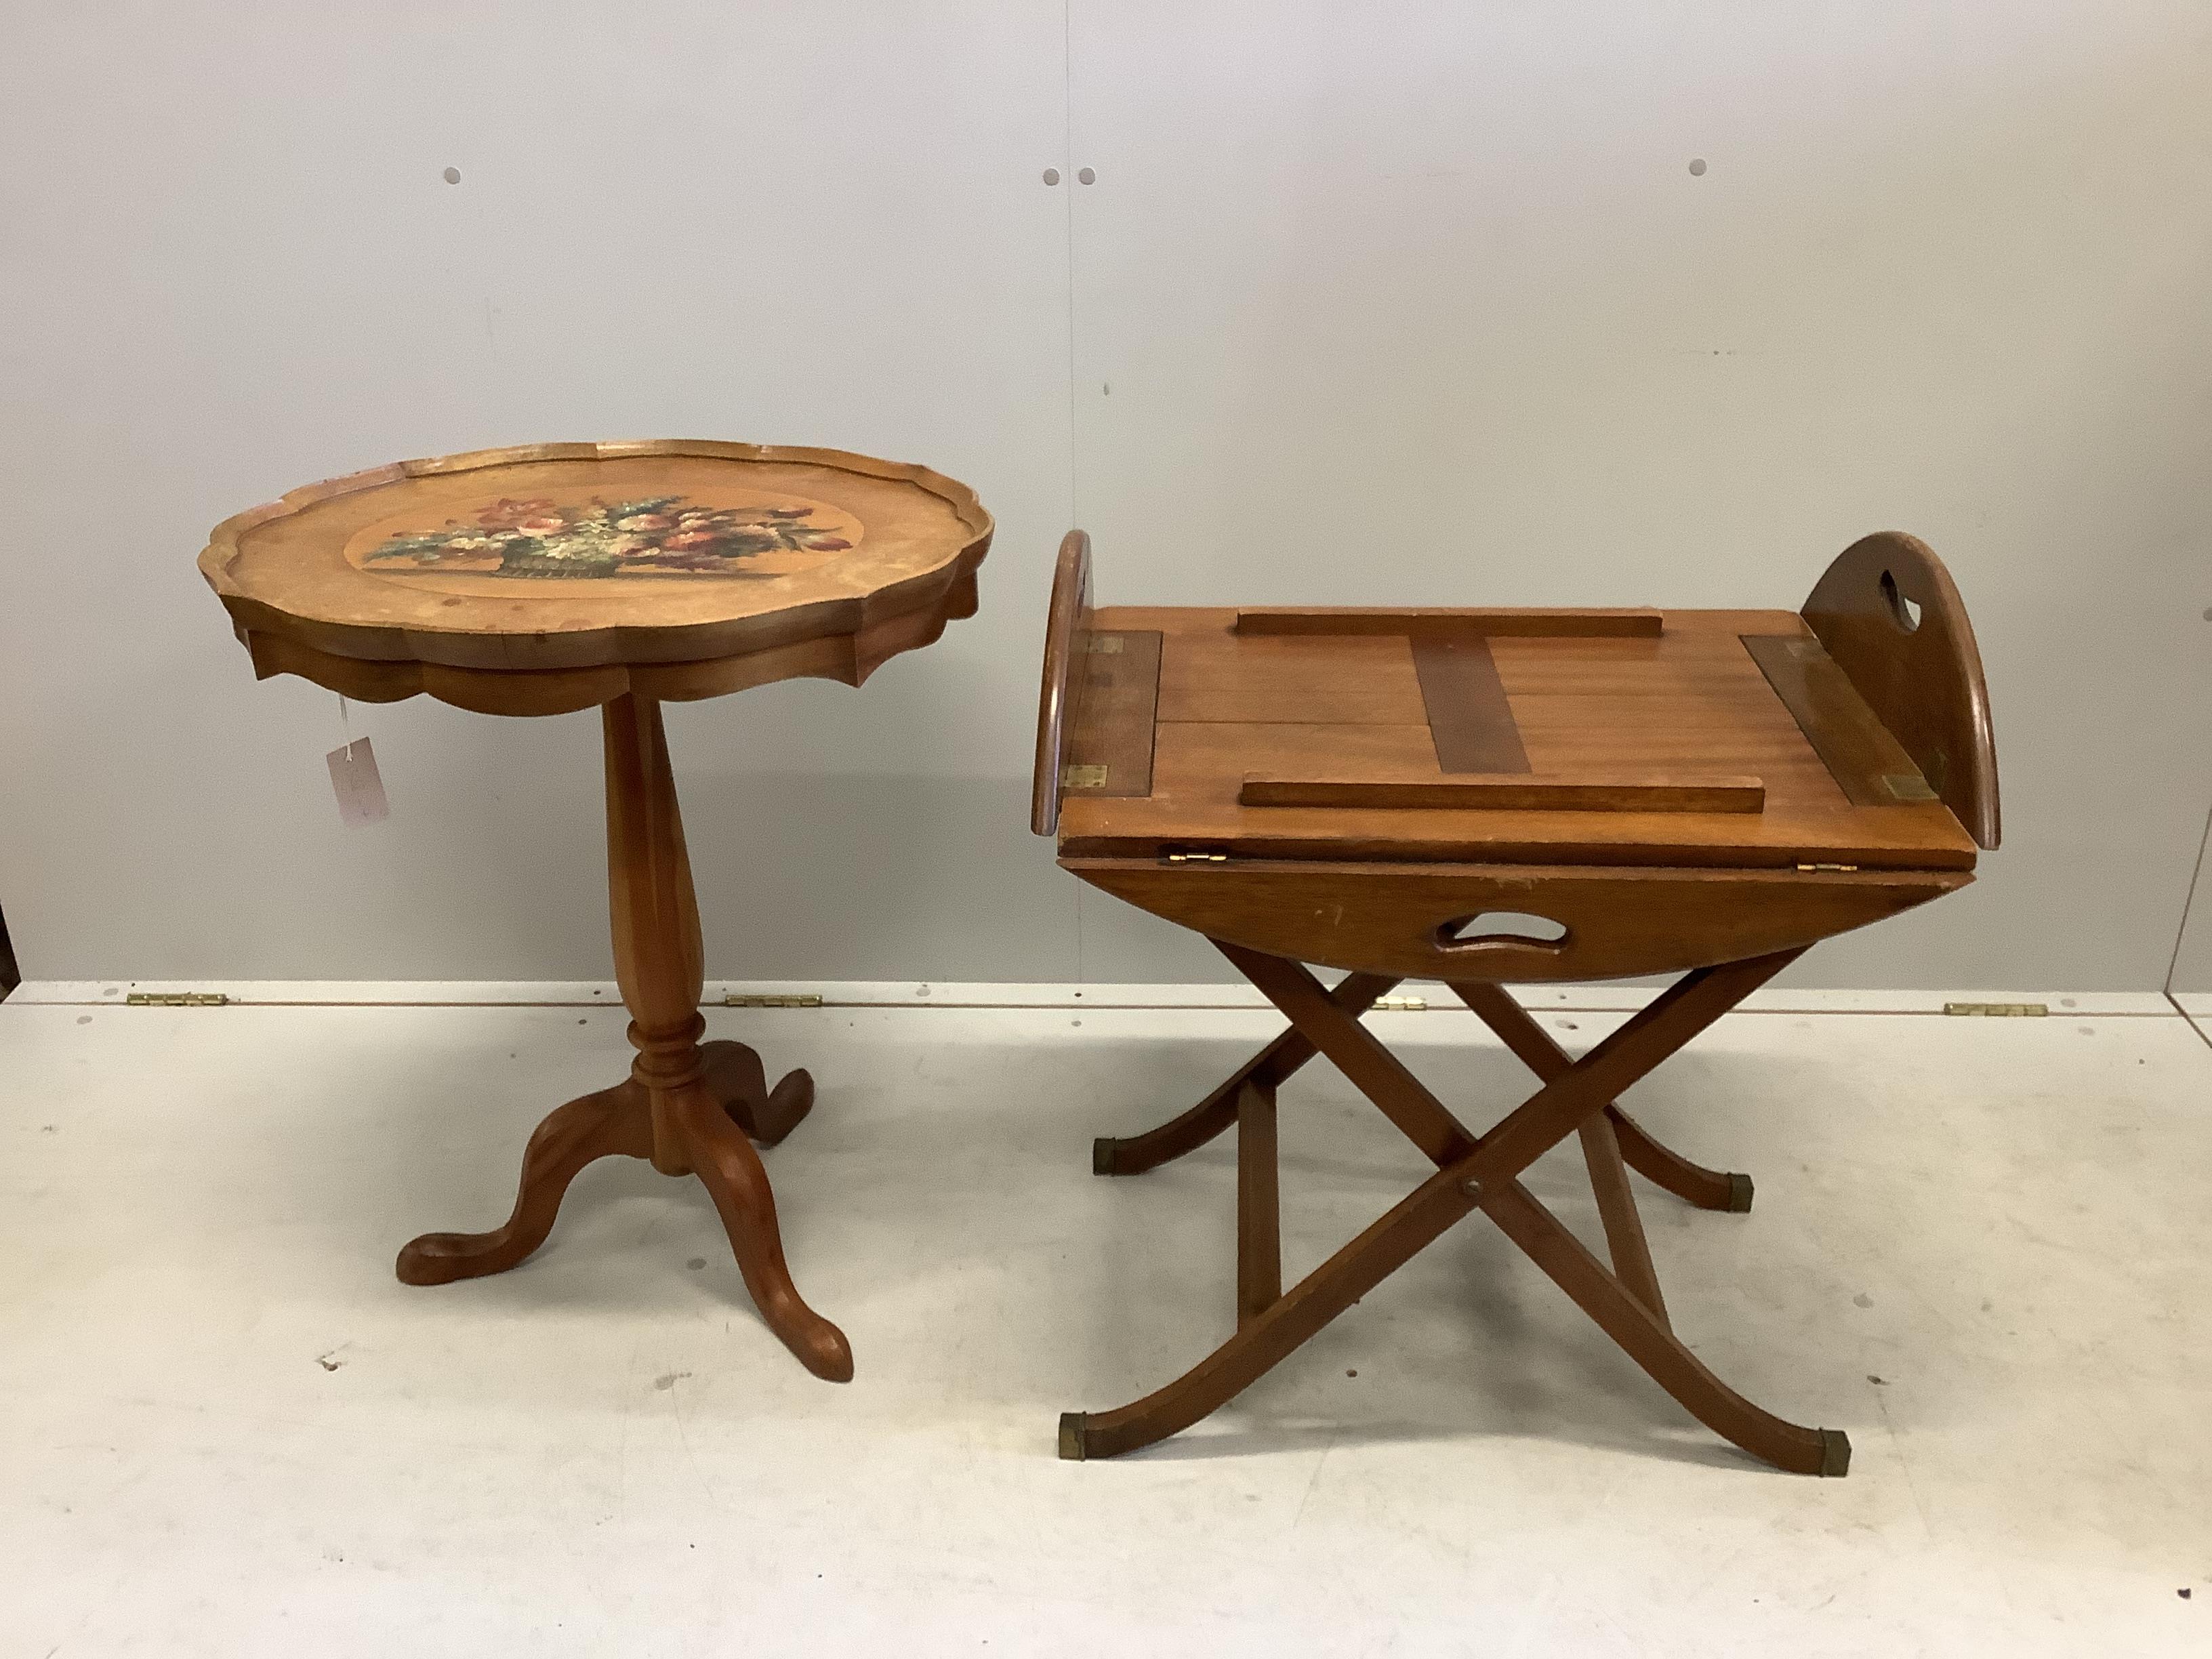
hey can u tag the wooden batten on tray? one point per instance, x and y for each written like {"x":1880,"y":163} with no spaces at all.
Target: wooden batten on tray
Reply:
{"x":1505,"y":621}
{"x":1507,"y":792}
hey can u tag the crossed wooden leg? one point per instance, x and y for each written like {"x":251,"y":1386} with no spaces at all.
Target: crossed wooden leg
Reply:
{"x":1473,"y":1172}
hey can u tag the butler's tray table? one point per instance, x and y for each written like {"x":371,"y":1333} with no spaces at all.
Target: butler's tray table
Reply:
{"x":559,"y":577}
{"x":1493,"y":797}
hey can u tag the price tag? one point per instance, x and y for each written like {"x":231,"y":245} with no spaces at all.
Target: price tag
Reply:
{"x":359,"y":787}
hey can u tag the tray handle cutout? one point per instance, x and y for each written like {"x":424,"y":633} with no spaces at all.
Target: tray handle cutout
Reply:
{"x":1489,"y":930}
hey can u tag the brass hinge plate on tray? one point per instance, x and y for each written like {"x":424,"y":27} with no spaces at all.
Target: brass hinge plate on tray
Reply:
{"x":1083,"y":777}
{"x":175,"y":999}
{"x":1194,"y":858}
{"x":1827,"y":869}
{"x":771,"y":999}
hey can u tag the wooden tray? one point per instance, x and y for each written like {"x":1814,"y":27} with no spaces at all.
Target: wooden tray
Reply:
{"x":1848,"y":744}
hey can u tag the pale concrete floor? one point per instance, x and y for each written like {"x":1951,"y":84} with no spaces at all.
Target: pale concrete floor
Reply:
{"x":226,"y":1430}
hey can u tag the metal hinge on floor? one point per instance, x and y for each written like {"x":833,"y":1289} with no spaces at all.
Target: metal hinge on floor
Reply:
{"x":2000,"y":1010}
{"x":175,"y":999}
{"x":771,"y":999}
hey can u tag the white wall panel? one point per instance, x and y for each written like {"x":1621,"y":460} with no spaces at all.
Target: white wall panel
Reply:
{"x":1391,"y":303}
{"x":1408,"y":303}
{"x":231,"y":264}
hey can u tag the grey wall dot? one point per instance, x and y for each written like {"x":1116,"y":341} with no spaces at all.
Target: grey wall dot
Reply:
{"x":2208,"y":613}
{"x":1086,"y":177}
{"x":1052,"y":175}
{"x":453,"y":175}
{"x":1697,"y":167}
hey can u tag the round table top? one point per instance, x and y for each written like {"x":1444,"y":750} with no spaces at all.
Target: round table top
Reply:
{"x":560,"y":575}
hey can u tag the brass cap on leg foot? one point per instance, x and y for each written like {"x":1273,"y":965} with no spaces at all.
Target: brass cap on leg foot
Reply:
{"x":1739,"y":1193}
{"x":1835,"y":1452}
{"x":1102,"y":1155}
{"x":1070,"y":1435}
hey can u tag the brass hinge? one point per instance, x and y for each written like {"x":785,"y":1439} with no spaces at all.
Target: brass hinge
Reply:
{"x":771,"y":999}
{"x":1083,"y":777}
{"x":1835,"y":869}
{"x":1104,"y":644}
{"x":1196,"y":858}
{"x":1401,"y":1005}
{"x":2000,"y":1010}
{"x":1907,"y":786}
{"x":175,"y":999}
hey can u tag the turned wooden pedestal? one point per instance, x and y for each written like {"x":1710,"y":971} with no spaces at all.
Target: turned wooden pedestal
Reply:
{"x":692,"y":1107}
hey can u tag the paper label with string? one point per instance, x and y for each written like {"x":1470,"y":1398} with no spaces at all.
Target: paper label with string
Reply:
{"x":359,"y":786}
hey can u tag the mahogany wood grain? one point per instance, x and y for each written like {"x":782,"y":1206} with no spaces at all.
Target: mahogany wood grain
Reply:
{"x":1511,"y":793}
{"x":1692,"y":702}
{"x":1258,"y":1215}
{"x":1616,"y":1208}
{"x":1922,"y":675}
{"x":1470,"y":719}
{"x":1525,"y":621}
{"x":1330,"y":679}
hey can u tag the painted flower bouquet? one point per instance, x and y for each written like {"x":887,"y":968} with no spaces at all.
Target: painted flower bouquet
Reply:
{"x":659,"y":535}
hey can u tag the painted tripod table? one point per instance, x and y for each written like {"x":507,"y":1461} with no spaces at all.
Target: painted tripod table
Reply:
{"x":1495,"y":797}
{"x":559,"y":577}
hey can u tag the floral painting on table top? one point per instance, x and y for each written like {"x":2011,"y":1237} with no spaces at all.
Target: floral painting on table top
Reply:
{"x":650,"y":536}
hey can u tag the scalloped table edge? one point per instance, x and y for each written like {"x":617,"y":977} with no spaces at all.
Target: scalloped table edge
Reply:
{"x":840,"y":639}
{"x":848,"y":655}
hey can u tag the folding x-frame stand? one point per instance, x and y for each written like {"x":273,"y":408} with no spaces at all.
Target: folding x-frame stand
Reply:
{"x":1473,"y":1172}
